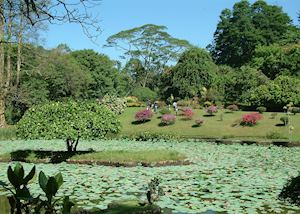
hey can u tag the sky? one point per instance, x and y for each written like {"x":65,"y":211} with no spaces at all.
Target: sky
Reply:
{"x":192,"y":20}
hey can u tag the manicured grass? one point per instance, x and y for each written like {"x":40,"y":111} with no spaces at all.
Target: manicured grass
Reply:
{"x":116,"y":156}
{"x":212,"y":127}
{"x":8,"y":133}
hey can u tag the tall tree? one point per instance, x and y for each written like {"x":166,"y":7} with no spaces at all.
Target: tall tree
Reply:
{"x":246,"y":26}
{"x":32,"y":13}
{"x":195,"y":69}
{"x":151,"y":45}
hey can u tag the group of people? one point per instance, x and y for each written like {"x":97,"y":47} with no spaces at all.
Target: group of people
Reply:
{"x":154,"y":106}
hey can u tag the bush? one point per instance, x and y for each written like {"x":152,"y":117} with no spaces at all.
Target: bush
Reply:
{"x":165,"y":111}
{"x":261,"y":109}
{"x":250,"y":119}
{"x":295,"y":110}
{"x":274,"y":135}
{"x":135,"y":104}
{"x":284,"y":120}
{"x":207,"y":104}
{"x":211,"y":110}
{"x":131,"y":99}
{"x":199,"y":122}
{"x":143,"y":115}
{"x":187,"y":113}
{"x":114,"y":103}
{"x":68,"y":120}
{"x":144,"y":94}
{"x":168,"y":119}
{"x":232,"y":108}
{"x":184,"y":103}
{"x":291,"y":191}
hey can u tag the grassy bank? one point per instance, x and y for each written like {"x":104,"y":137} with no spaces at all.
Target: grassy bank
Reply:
{"x":213,"y":126}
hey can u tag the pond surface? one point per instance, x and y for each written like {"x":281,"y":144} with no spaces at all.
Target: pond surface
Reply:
{"x":223,"y":178}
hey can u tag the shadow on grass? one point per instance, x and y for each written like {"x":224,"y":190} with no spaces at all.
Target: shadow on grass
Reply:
{"x":164,"y":124}
{"x":195,"y":126}
{"x":136,"y":122}
{"x":209,"y":115}
{"x":280,"y":124}
{"x":47,"y":156}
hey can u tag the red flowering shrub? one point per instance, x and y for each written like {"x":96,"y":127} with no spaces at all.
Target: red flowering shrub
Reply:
{"x":168,"y":119}
{"x":211,"y":110}
{"x":143,"y":115}
{"x":199,"y":122}
{"x":187,"y":113}
{"x":232,"y":107}
{"x":250,"y":119}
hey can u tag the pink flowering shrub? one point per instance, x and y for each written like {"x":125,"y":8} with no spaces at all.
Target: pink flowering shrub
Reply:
{"x":168,"y":119}
{"x":143,"y":115}
{"x":251,"y":119}
{"x":199,"y":122}
{"x":232,"y":107}
{"x":211,"y":110}
{"x":187,"y":113}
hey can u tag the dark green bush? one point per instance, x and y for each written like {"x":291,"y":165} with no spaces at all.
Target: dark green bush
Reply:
{"x":261,"y":109}
{"x":284,"y":120}
{"x":295,"y":110}
{"x":69,"y":120}
{"x":144,"y":94}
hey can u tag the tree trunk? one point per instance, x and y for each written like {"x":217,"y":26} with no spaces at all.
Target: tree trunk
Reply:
{"x":19,"y":59}
{"x":2,"y":70}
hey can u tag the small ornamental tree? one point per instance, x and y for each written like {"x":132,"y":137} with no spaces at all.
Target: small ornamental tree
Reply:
{"x":211,"y":110}
{"x":144,"y":115}
{"x":68,"y":120}
{"x":187,"y":113}
{"x":199,"y":122}
{"x":168,"y":119}
{"x":232,"y":108}
{"x":251,"y":119}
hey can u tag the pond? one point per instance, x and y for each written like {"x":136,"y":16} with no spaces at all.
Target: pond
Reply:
{"x":223,"y":178}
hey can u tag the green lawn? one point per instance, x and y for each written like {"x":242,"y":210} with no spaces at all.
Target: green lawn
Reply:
{"x":213,"y":127}
{"x":114,"y":156}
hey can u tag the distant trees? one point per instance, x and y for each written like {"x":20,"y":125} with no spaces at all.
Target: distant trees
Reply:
{"x":149,"y":48}
{"x":240,"y":30}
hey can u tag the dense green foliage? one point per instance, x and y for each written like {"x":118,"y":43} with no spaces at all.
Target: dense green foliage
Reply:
{"x":195,"y":69}
{"x":67,"y":120}
{"x":114,"y":103}
{"x":276,"y":94}
{"x":244,"y":27}
{"x":144,"y":94}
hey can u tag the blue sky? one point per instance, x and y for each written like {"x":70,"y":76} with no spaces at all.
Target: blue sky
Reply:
{"x":193,"y":20}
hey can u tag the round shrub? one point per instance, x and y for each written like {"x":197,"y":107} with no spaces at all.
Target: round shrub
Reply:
{"x":114,"y":103}
{"x":211,"y":110}
{"x":261,"y":109}
{"x":250,"y":119}
{"x":295,"y":110}
{"x":168,"y":119}
{"x":232,"y":108}
{"x":165,"y":111}
{"x":199,"y":122}
{"x":131,"y":99}
{"x":144,"y":94}
{"x":143,"y":115}
{"x":284,"y":120}
{"x":187,"y":113}
{"x":68,"y":120}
